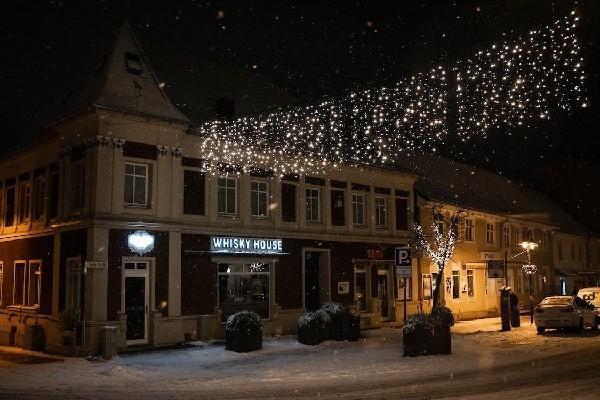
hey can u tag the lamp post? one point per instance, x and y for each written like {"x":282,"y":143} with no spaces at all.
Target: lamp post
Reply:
{"x":529,"y":270}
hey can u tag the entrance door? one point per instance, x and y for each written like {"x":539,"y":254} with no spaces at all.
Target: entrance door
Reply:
{"x":316,"y":279}
{"x":383,"y":293}
{"x":135,"y":302}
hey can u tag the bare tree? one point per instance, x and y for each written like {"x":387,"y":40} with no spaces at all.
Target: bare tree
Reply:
{"x":439,"y":247}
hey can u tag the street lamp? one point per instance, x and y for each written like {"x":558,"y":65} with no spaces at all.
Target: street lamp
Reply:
{"x":529,"y":270}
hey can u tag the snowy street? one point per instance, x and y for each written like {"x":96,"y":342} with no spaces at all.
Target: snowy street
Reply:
{"x":485,"y":361}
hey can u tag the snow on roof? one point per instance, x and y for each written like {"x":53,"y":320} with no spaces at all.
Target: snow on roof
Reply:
{"x":474,"y":188}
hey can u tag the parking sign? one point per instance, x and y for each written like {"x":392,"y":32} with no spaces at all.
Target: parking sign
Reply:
{"x":403,"y":262}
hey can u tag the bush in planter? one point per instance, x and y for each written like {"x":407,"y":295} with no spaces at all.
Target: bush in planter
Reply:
{"x":243,"y":332}
{"x":314,"y":327}
{"x":442,"y":319}
{"x":417,"y":335}
{"x":338,"y":314}
{"x":352,"y":326}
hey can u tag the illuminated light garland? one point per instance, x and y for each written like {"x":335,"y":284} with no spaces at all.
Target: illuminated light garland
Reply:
{"x":509,"y":85}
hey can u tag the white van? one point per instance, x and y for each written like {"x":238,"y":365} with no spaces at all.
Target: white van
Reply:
{"x":591,"y":295}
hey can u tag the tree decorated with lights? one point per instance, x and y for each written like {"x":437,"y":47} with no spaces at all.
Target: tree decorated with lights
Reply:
{"x":439,"y":247}
{"x":513,"y":83}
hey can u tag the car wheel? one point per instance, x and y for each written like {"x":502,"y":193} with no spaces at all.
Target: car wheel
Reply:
{"x":540,"y":330}
{"x":579,"y":329}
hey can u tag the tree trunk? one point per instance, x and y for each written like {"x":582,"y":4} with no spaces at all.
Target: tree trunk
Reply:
{"x":436,"y":291}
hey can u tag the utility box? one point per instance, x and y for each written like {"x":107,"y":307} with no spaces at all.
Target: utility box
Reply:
{"x":505,"y":307}
{"x":109,"y":342}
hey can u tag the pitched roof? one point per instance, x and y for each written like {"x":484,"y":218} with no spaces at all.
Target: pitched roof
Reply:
{"x":124,"y":80}
{"x":474,"y":188}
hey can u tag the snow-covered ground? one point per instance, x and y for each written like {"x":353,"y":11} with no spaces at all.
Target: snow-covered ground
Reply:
{"x":484,"y":361}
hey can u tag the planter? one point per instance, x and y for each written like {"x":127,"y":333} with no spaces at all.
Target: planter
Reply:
{"x":352,"y":327}
{"x":243,"y":332}
{"x":442,"y":340}
{"x":314,"y":327}
{"x":418,"y":341}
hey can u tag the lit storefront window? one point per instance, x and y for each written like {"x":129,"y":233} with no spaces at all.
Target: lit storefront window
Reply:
{"x":244,"y":287}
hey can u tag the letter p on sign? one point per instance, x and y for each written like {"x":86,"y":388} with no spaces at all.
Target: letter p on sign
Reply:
{"x":403,"y":262}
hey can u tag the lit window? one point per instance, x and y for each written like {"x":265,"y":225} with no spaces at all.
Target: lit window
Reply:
{"x":489,"y":233}
{"x":259,"y":194}
{"x":244,"y":287}
{"x":313,"y":205}
{"x":469,"y":229}
{"x":358,"y":209}
{"x":381,"y":212}
{"x":360,"y":289}
{"x":136,"y":185}
{"x":514,"y":235}
{"x":227,"y":196}
{"x":471,"y":283}
{"x":455,"y":284}
{"x":27,"y":283}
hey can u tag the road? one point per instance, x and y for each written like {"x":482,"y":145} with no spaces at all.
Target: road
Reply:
{"x":485,"y":364}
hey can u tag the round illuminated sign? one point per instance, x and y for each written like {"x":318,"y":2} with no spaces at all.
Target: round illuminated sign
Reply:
{"x":140,"y":242}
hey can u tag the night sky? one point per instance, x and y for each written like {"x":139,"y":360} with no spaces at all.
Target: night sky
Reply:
{"x":313,"y":49}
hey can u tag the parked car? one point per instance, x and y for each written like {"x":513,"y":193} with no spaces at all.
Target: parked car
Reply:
{"x":592,"y":296}
{"x":567,"y":312}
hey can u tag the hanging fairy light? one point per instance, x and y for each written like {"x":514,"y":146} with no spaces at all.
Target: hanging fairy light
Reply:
{"x":511,"y":84}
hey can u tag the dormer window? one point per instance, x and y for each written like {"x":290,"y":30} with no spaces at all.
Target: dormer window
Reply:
{"x":133,"y":63}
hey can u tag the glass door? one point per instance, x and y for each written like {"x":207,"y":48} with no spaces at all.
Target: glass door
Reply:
{"x":135,"y":302}
{"x":383,"y":293}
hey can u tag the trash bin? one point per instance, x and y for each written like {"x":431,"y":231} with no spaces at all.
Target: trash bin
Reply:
{"x":515,"y":314}
{"x":109,"y":342}
{"x":505,"y":308}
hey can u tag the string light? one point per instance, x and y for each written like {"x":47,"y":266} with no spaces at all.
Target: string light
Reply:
{"x":509,"y":85}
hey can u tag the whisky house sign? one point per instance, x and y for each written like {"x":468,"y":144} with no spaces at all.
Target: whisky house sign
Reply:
{"x":233,"y":244}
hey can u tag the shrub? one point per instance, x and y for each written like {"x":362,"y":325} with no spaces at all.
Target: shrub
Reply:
{"x":314,"y":327}
{"x":417,"y":335}
{"x":339,"y":319}
{"x":442,"y":316}
{"x":243,"y":332}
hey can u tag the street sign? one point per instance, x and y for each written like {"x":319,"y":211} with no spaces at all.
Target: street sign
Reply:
{"x":495,"y":269}
{"x":403,"y":262}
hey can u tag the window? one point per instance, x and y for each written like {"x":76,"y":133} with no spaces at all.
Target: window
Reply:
{"x":401,"y":282}
{"x":469,"y":229}
{"x":427,"y":293}
{"x":243,"y":287}
{"x":358,"y":209}
{"x":338,"y":208}
{"x":133,"y":63}
{"x":1,"y":280}
{"x":27,"y":283}
{"x":514,"y":231}
{"x":77,"y":186}
{"x":54,"y":190}
{"x":9,"y":211}
{"x":489,"y":233}
{"x":227,"y":196}
{"x":401,"y":213}
{"x":381,"y":212}
{"x":560,"y":252}
{"x":288,"y":202}
{"x":24,"y":201}
{"x":259,"y":193}
{"x":193,"y":192}
{"x":360,"y":289}
{"x":313,"y":205}
{"x":136,"y":185}
{"x":527,"y":234}
{"x":506,"y":235}
{"x":455,"y":284}
{"x":39,"y":200}
{"x":544,"y":240}
{"x":471,"y":283}
{"x":72,"y":313}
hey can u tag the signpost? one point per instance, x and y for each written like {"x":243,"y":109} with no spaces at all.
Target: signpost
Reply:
{"x":403,"y":265}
